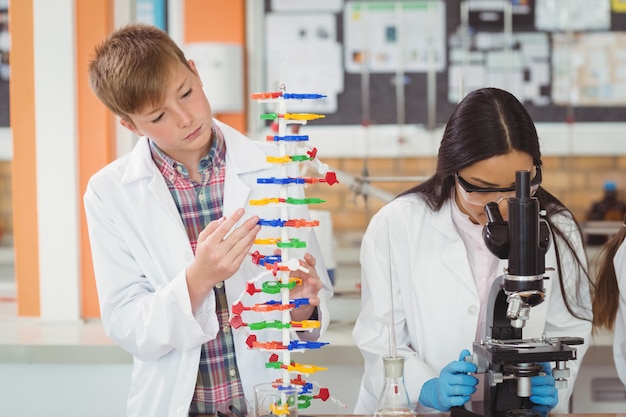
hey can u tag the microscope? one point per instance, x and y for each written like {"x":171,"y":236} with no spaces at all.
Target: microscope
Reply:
{"x":508,"y":361}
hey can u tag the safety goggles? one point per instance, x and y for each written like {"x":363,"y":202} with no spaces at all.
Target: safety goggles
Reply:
{"x":480,"y":196}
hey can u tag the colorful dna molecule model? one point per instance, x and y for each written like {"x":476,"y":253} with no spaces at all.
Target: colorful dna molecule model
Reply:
{"x":292,"y":151}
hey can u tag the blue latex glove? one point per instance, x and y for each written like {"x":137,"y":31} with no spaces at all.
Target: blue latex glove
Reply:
{"x":542,"y":389}
{"x":453,"y":387}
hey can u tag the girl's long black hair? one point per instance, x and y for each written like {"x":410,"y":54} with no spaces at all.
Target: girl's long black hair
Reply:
{"x":490,"y":122}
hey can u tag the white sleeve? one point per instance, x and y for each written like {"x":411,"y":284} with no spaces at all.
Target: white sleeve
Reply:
{"x":619,"y":337}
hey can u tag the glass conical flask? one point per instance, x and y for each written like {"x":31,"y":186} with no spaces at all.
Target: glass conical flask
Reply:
{"x":394,"y":399}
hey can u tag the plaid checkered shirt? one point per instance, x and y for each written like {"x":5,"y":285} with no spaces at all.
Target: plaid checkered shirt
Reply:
{"x":218,"y":384}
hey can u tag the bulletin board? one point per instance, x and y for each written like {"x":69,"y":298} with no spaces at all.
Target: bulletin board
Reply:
{"x":561,"y":72}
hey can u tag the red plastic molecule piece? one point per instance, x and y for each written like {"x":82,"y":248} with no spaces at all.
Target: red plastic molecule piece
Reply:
{"x":236,"y":322}
{"x":251,"y":289}
{"x":331,"y":178}
{"x":251,"y":340}
{"x":323,"y":394}
{"x":266,"y":95}
{"x":256,"y":257}
{"x":238,"y":308}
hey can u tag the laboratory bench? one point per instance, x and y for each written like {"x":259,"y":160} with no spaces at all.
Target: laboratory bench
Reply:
{"x":55,"y":359}
{"x":75,"y":367}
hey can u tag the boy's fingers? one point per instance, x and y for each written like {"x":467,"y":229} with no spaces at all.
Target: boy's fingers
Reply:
{"x":219,"y":228}
{"x":247,"y":227}
{"x":228,"y":224}
{"x":210,"y":228}
{"x":310,"y":259}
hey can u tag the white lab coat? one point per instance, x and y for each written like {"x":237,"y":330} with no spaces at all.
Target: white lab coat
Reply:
{"x":436,"y":303}
{"x":619,"y":335}
{"x":140,"y":252}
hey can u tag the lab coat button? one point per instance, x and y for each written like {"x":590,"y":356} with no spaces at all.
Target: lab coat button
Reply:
{"x":472,"y":310}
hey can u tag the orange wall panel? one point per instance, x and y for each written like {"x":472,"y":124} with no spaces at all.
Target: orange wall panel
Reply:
{"x":215,"y":20}
{"x":96,"y":128}
{"x":24,"y":181}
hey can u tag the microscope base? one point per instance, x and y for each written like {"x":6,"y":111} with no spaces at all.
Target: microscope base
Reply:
{"x":475,"y":409}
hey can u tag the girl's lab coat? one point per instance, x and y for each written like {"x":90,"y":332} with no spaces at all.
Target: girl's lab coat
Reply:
{"x":619,"y":337}
{"x":140,"y":252}
{"x":435,"y":300}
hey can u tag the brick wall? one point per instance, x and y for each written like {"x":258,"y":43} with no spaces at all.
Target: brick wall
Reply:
{"x":576,"y":181}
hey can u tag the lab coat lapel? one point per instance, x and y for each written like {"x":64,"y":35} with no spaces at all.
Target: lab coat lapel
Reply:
{"x":144,"y":184}
{"x":242,"y":161}
{"x":454,"y":255}
{"x":141,"y":168}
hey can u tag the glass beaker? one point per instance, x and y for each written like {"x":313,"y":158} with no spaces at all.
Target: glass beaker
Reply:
{"x":274,"y":399}
{"x":394,"y":399}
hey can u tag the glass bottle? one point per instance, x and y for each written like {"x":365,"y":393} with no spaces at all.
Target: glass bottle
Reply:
{"x":394,"y":399}
{"x":610,"y":208}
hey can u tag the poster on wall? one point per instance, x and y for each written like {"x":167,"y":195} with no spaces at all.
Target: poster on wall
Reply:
{"x":381,"y":37}
{"x":307,"y":5}
{"x":303,"y":54}
{"x":446,"y":49}
{"x":589,"y":69}
{"x":523,"y":70}
{"x":572,"y":15}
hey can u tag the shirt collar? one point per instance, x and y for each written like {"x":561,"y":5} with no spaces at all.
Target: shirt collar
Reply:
{"x":463,"y":223}
{"x":214,"y":159}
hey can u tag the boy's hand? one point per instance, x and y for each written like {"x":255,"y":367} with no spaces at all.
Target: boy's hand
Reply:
{"x":219,"y":256}
{"x":310,"y":287}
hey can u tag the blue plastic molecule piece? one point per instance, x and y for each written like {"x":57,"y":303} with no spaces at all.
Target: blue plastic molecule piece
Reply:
{"x":297,"y":344}
{"x":291,"y":138}
{"x":271,"y":222}
{"x":281,"y":181}
{"x":300,"y":302}
{"x":293,"y":180}
{"x":306,"y":388}
{"x":270,"y":260}
{"x":297,"y":96}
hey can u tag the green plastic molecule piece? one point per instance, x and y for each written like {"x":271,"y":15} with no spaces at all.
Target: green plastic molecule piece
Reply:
{"x":274,"y":365}
{"x":274,"y":287}
{"x":293,"y":243}
{"x":299,"y":158}
{"x":291,"y":200}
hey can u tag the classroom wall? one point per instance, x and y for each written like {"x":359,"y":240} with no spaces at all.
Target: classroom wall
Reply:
{"x":79,"y":137}
{"x":576,"y":179}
